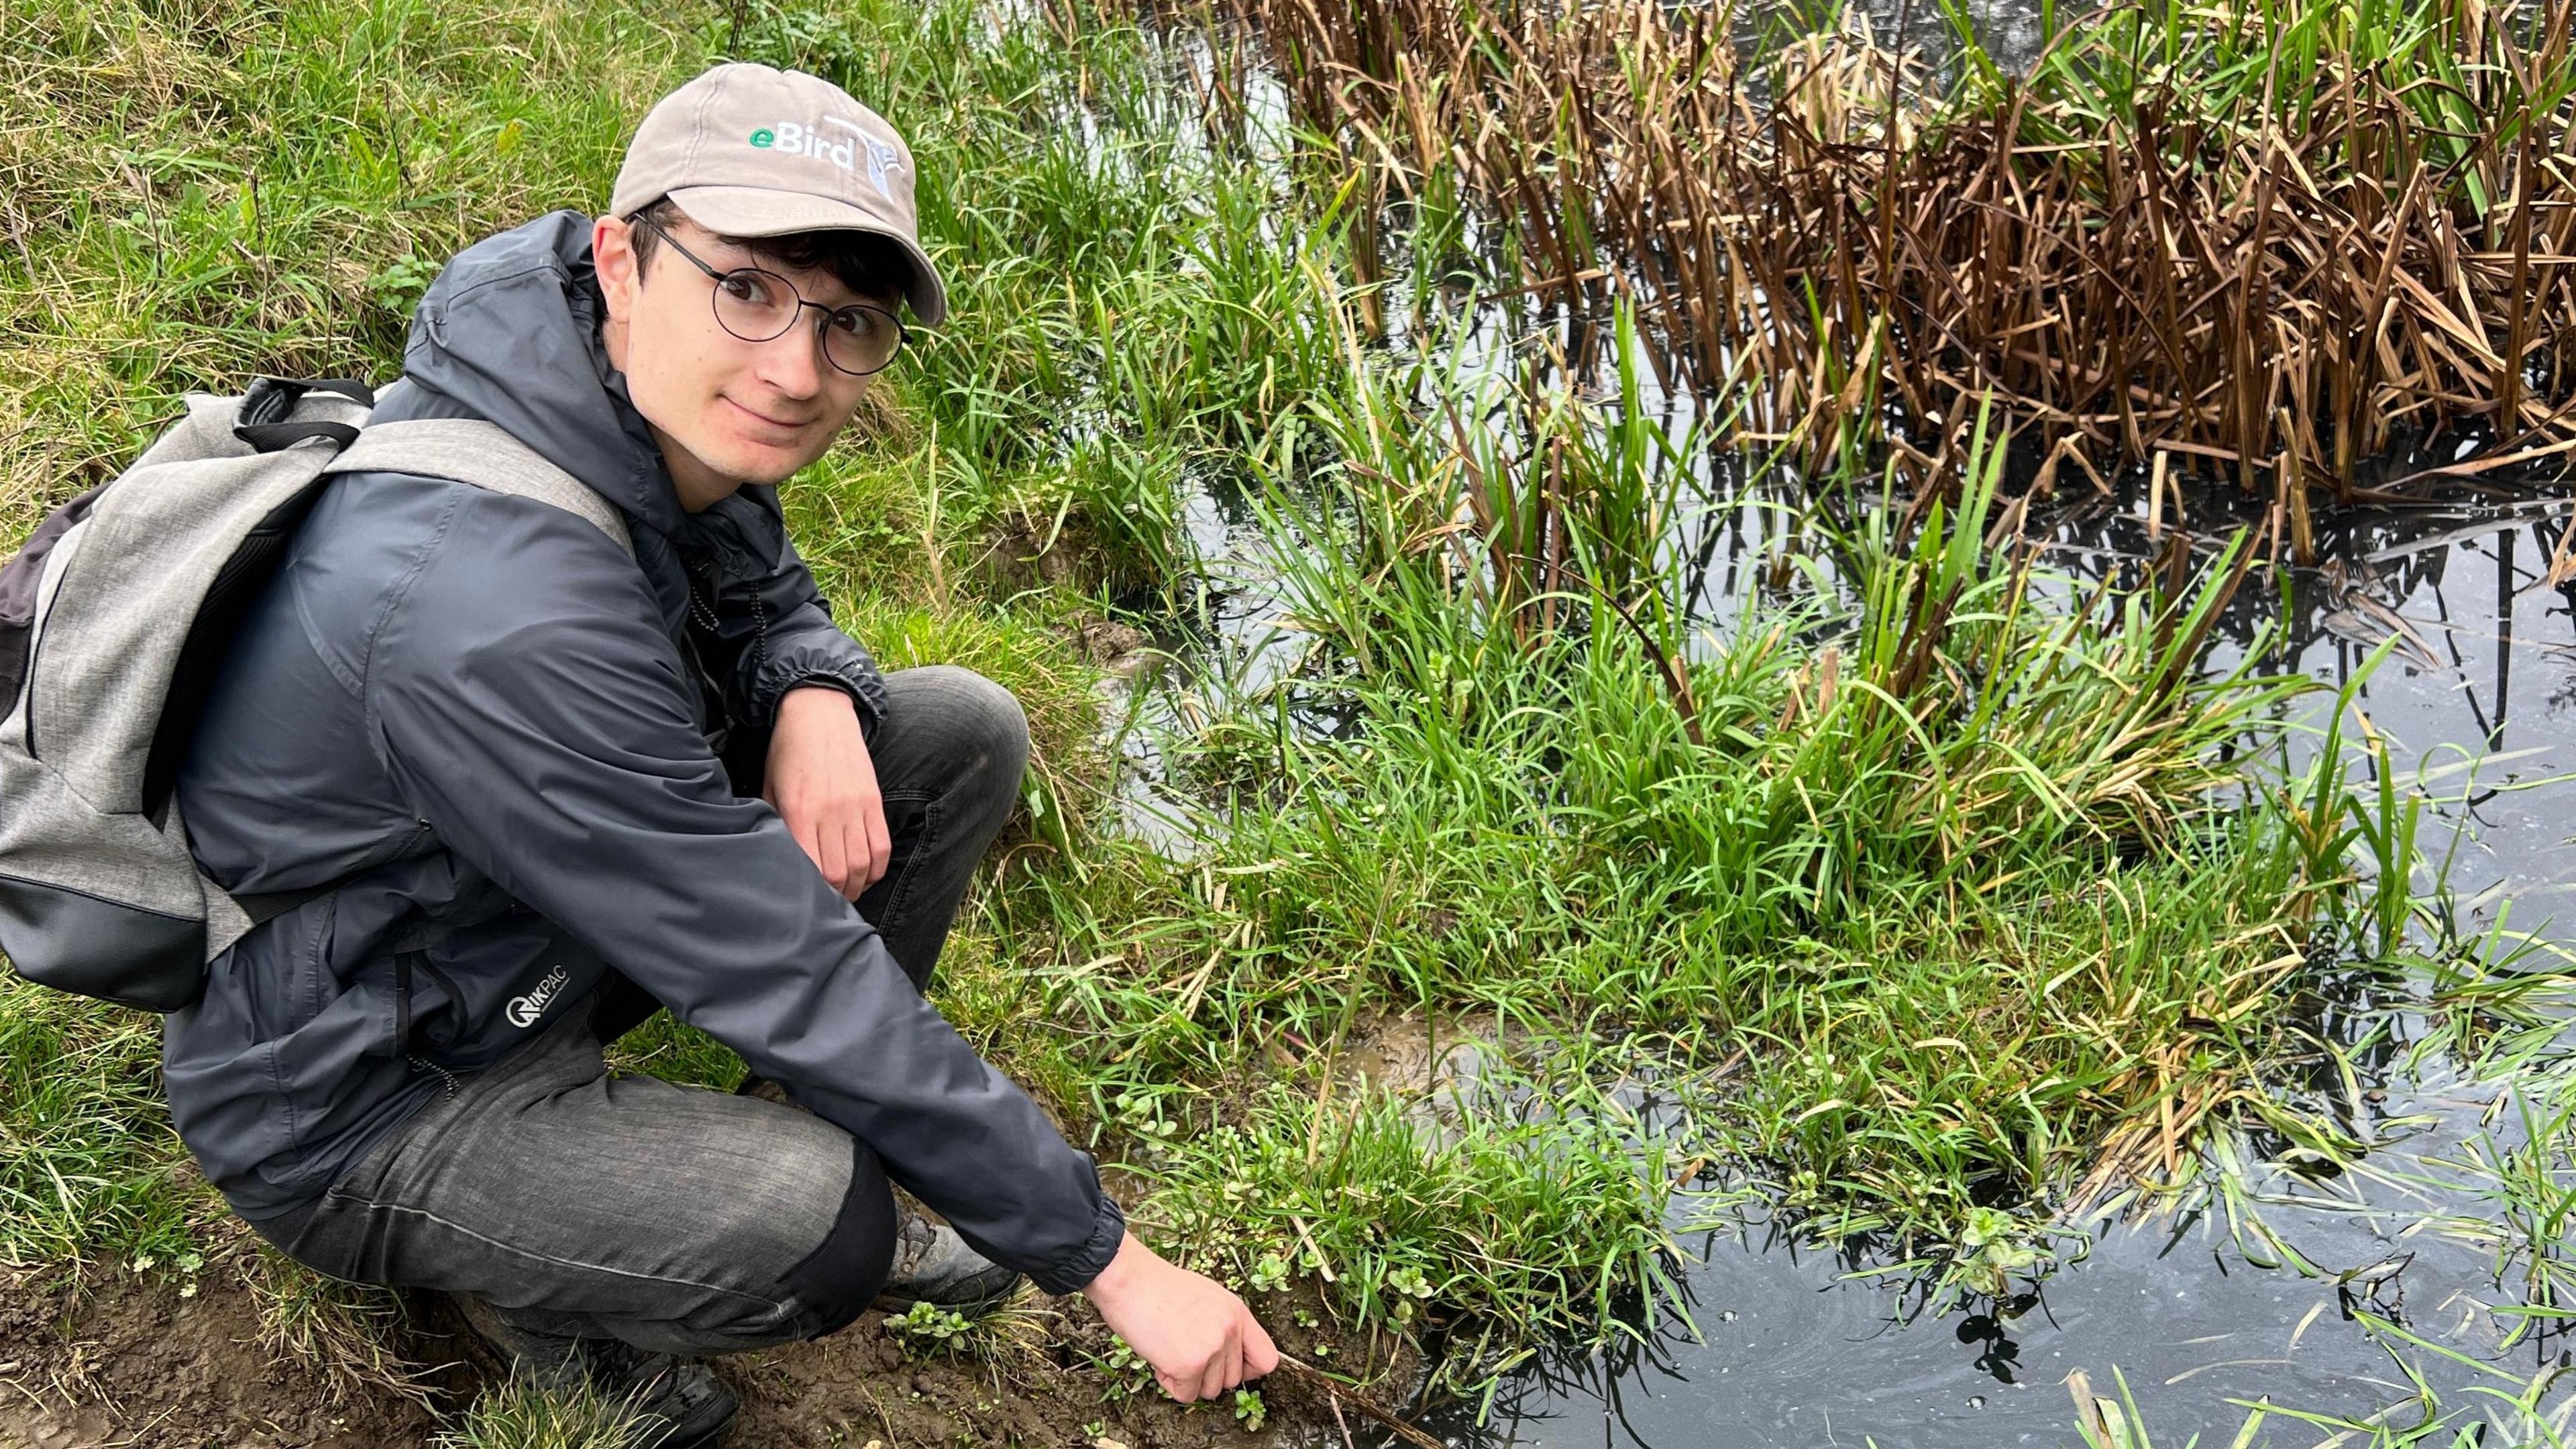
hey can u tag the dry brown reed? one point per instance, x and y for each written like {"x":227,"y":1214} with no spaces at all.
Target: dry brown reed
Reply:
{"x":2272,"y":243}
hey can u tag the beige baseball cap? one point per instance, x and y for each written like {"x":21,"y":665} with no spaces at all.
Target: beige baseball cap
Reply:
{"x":749,"y":151}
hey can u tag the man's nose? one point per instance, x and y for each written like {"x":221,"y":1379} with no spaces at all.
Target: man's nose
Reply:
{"x":792,"y":361}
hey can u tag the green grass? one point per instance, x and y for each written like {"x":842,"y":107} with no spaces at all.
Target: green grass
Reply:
{"x":519,"y":1414}
{"x":351,"y":1333}
{"x":87,"y":1156}
{"x":1533,"y":1220}
{"x":198,"y":194}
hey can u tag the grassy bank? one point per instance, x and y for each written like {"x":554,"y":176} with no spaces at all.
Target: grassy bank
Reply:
{"x":1931,"y":897}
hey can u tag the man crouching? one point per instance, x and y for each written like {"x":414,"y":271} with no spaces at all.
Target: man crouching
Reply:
{"x":556,"y":781}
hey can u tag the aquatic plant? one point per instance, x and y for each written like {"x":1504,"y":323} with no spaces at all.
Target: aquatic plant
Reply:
{"x":2263,"y":239}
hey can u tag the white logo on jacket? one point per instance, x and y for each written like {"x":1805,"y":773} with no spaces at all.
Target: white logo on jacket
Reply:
{"x":524,"y":1010}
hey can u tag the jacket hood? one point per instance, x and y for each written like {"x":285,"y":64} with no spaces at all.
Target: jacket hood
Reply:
{"x":510,"y":333}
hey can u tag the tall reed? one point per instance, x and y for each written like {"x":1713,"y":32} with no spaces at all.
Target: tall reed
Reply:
{"x":2269,"y":238}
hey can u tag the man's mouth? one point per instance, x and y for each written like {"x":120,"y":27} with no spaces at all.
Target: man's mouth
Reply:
{"x":782,"y":424}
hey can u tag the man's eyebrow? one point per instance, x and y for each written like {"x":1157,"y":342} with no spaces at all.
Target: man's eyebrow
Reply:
{"x":746,"y":254}
{"x":812,"y":281}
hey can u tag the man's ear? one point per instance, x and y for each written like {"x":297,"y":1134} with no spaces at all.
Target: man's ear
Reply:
{"x":612,"y":257}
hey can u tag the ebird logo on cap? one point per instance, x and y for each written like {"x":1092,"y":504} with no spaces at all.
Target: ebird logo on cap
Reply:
{"x":810,"y":141}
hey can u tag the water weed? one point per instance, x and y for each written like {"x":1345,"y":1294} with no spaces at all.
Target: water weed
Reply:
{"x":2527,"y":1416}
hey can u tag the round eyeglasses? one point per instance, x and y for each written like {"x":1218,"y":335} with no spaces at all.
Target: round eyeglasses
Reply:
{"x":759,"y":306}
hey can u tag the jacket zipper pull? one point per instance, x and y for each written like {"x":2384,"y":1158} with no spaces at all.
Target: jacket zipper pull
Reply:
{"x":447,"y":1079}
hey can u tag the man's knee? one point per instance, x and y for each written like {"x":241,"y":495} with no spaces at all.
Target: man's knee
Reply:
{"x":970,"y":736}
{"x":830,"y":1284}
{"x":838,"y":1280}
{"x":988,"y":729}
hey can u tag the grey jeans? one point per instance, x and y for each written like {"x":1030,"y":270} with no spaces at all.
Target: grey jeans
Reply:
{"x":680,"y":1220}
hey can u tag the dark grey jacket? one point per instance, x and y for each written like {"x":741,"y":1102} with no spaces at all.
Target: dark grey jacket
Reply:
{"x":479,"y":714}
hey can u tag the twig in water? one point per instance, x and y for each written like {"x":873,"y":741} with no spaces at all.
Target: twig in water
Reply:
{"x":1336,"y":1391}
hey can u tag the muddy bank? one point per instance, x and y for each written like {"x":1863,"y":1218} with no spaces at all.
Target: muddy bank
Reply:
{"x":112,"y":1357}
{"x":1050,"y":1382}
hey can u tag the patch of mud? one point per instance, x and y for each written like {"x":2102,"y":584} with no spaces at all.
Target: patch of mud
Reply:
{"x":1030,"y":553}
{"x":121,"y":1358}
{"x":1043,"y":1383}
{"x":1120,"y":649}
{"x":1411,"y":1055}
{"x":110,"y":1359}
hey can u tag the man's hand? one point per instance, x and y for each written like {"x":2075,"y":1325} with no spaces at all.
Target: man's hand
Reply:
{"x":822,"y":783}
{"x":1200,"y":1338}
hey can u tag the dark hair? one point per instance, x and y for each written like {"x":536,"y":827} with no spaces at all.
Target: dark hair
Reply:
{"x":873,"y":266}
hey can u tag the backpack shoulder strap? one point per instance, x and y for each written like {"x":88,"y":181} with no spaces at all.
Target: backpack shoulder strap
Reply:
{"x":469,"y":450}
{"x":461,"y":450}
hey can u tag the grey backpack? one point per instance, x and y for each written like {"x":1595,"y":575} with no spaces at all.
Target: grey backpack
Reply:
{"x":114,"y":619}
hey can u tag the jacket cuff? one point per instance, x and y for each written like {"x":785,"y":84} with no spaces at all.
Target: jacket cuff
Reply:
{"x":1108,"y":1230}
{"x":869,"y":718}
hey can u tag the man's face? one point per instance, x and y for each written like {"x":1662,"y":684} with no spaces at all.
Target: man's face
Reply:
{"x":726,"y":411}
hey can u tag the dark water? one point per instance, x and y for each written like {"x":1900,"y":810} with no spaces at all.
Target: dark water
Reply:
{"x":1794,"y":1353}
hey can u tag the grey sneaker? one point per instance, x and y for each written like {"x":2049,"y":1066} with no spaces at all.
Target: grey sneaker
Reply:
{"x":933,"y":1265}
{"x":675,"y":1403}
